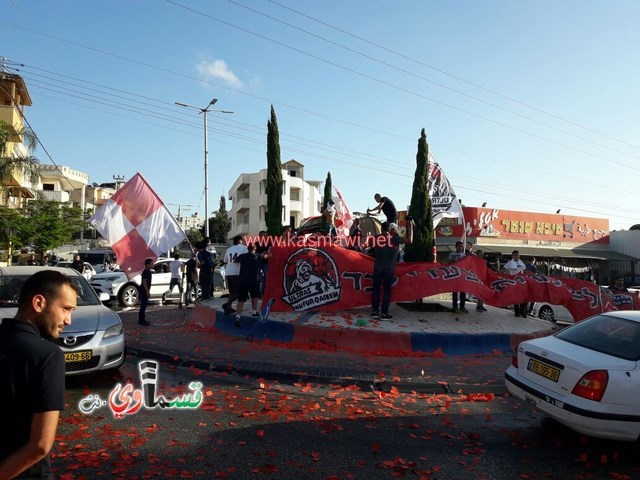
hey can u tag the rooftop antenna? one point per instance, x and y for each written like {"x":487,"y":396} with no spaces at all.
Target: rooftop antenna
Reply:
{"x":119,"y":180}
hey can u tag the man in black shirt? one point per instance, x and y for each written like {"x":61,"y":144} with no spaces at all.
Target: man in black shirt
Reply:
{"x":248,"y":280}
{"x":78,"y":264}
{"x":262,"y":247}
{"x":32,"y":371}
{"x":191,"y":272}
{"x":386,"y":206}
{"x":206,"y":265}
{"x":386,"y":249}
{"x":145,"y":292}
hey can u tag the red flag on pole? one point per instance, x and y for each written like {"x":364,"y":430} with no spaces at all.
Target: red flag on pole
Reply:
{"x":137,"y":224}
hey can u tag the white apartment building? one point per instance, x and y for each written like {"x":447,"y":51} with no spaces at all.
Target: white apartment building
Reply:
{"x":190,"y":222}
{"x":63,"y":184}
{"x":300,"y":199}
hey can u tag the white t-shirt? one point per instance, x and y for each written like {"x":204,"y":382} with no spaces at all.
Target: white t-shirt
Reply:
{"x":515,"y":266}
{"x":232,"y":253}
{"x":175,"y":267}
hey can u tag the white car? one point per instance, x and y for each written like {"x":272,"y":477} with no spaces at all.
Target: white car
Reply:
{"x":552,"y":313}
{"x":94,"y":340}
{"x":585,"y":376}
{"x":126,"y":291}
{"x":89,"y":271}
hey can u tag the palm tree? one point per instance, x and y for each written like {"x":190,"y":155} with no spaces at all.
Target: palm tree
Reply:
{"x":10,"y":162}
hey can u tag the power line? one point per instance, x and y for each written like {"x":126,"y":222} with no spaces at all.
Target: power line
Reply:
{"x":439,"y":70}
{"x":191,"y":124}
{"x":402,"y":89}
{"x":441,"y":85}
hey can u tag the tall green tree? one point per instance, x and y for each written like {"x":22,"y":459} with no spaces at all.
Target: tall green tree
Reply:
{"x":328,"y":192}
{"x":195,"y":235}
{"x":46,"y":224}
{"x":274,"y":177}
{"x":421,"y":250}
{"x":10,"y":163}
{"x":220,"y":224}
{"x":10,"y":218}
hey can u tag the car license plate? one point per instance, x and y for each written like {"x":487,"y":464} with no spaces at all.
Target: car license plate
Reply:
{"x":544,"y":370}
{"x":80,"y":356}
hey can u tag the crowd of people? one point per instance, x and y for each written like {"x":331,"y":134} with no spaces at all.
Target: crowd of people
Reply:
{"x":247,"y":265}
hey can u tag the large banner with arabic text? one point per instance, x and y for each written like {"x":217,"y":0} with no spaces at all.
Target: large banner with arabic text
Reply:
{"x":334,"y":278}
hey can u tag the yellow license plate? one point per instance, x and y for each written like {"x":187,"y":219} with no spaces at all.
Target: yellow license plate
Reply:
{"x":80,"y":356}
{"x":544,"y":370}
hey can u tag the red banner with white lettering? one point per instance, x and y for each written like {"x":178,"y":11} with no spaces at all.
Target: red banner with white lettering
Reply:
{"x":334,"y":278}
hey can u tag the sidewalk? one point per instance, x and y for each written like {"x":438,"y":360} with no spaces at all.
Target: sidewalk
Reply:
{"x":422,"y":351}
{"x":408,"y":332}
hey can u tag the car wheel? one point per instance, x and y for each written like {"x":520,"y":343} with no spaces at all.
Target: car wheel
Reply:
{"x":546,"y":313}
{"x":128,"y":295}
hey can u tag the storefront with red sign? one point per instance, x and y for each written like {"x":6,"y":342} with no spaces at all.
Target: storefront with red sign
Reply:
{"x":562,"y":245}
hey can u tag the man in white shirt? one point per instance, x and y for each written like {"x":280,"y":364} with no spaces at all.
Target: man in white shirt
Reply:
{"x":176,"y":276}
{"x":232,"y":272}
{"x":516,"y":266}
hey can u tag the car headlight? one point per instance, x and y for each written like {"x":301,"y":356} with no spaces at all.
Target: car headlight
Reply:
{"x":113,"y":331}
{"x":111,"y":279}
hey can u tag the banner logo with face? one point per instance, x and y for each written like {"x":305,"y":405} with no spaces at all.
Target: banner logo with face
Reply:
{"x":310,"y":279}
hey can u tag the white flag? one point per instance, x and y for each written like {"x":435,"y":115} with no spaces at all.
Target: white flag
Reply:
{"x":444,"y":202}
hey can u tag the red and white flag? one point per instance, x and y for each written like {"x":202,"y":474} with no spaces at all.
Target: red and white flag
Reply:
{"x":137,"y":224}
{"x":344,"y":220}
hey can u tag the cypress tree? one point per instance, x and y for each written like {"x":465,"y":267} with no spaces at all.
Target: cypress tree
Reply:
{"x":220,"y":225}
{"x":421,"y":250}
{"x":328,"y":192}
{"x":274,"y":177}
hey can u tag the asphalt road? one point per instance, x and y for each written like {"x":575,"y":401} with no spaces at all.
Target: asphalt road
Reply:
{"x":248,"y":427}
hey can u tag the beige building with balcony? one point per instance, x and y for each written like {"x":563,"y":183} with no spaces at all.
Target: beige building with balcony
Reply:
{"x":301,"y":198}
{"x":14,"y":97}
{"x":63,"y":184}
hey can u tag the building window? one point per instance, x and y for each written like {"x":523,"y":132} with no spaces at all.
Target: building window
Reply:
{"x":292,"y":173}
{"x":294,"y":194}
{"x":49,"y":187}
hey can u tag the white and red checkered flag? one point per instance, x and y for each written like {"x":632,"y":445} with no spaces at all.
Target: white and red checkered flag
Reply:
{"x":137,"y":224}
{"x":344,"y":220}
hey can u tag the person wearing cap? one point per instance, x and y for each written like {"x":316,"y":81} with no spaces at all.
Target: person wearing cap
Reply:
{"x":386,"y":247}
{"x":385,"y":206}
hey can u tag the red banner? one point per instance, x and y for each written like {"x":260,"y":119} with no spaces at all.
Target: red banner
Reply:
{"x":334,"y":278}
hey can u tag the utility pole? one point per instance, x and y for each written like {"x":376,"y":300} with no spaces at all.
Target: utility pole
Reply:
{"x":204,"y":112}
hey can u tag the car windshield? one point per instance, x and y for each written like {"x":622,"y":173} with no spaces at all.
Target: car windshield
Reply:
{"x":10,"y":286}
{"x":93,"y":258}
{"x":607,"y":334}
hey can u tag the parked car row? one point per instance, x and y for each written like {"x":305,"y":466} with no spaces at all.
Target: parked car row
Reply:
{"x":94,"y":340}
{"x":127,"y":292}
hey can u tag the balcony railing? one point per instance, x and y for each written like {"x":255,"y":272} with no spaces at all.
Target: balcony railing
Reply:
{"x":54,"y":196}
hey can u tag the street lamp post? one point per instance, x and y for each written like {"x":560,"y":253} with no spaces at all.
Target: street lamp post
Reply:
{"x":204,"y":112}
